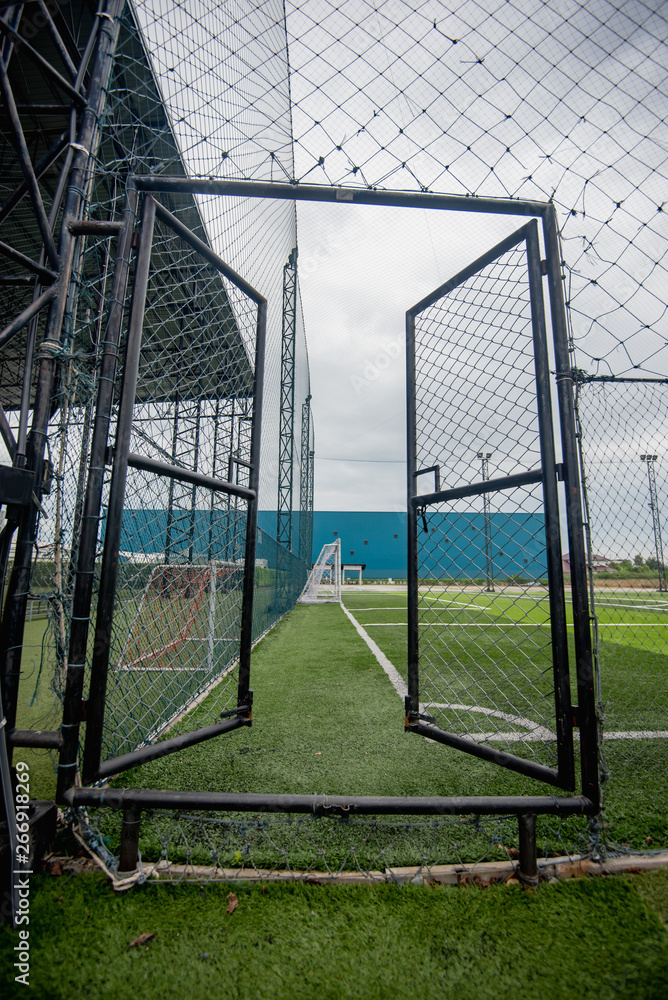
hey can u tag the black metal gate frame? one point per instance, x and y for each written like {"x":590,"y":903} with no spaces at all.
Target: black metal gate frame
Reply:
{"x":526,"y":807}
{"x":93,"y":768}
{"x":563,"y":776}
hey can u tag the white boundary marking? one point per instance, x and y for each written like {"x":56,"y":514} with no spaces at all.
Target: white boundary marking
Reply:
{"x":396,"y":680}
{"x":509,"y":624}
{"x":535,"y":732}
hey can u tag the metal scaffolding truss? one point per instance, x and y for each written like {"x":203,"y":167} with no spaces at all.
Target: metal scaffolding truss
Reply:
{"x":305,"y":485}
{"x":286,"y":442}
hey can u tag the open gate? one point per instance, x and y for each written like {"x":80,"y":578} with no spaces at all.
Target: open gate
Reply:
{"x":487,"y":623}
{"x":174,"y":607}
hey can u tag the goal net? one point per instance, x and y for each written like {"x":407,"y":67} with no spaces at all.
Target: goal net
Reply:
{"x":324,"y":582}
{"x":177,"y":607}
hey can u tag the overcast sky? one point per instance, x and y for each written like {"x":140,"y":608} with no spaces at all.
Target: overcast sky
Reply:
{"x":563,"y":100}
{"x":361,"y":268}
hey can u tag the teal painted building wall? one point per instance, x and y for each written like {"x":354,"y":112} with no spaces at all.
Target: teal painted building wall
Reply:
{"x":455,"y":549}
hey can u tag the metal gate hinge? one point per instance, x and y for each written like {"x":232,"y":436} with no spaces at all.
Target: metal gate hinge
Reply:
{"x":561,"y":476}
{"x":109,"y":454}
{"x":83,"y":710}
{"x":576,"y":716}
{"x":543,"y":267}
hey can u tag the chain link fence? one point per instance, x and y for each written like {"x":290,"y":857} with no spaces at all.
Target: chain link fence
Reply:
{"x":527,"y":101}
{"x":183,"y":846}
{"x":485,"y":664}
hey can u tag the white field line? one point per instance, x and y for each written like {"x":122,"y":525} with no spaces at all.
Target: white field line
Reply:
{"x":537,"y":731}
{"x":396,"y":680}
{"x":638,"y":734}
{"x":528,"y":625}
{"x":534,"y":733}
{"x":492,"y":607}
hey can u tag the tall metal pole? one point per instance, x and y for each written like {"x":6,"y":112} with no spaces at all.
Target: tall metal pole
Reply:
{"x":656,"y":521}
{"x":287,"y":411}
{"x":485,"y":456}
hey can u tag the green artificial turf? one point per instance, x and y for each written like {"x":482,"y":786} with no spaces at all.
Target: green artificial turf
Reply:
{"x":591,"y":938}
{"x":328,"y":721}
{"x":634,"y":685}
{"x":39,"y":706}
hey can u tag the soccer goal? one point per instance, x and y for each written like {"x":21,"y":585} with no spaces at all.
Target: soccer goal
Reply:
{"x":324,"y":582}
{"x":179,"y":605}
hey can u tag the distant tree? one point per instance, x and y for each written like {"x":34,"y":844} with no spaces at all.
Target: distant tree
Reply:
{"x":652,"y":563}
{"x":638,"y":561}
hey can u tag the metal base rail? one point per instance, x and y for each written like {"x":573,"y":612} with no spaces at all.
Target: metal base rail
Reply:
{"x":333,"y":805}
{"x":526,"y":807}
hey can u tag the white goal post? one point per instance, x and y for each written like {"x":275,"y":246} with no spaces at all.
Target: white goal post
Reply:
{"x":324,"y":582}
{"x":178,"y":605}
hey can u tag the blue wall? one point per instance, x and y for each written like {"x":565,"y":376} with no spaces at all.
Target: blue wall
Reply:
{"x":455,"y":548}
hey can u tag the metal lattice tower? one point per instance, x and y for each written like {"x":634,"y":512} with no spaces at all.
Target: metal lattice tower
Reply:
{"x":487,"y":522}
{"x":287,"y":415}
{"x":656,"y":521}
{"x":304,"y":483}
{"x":311,"y":470}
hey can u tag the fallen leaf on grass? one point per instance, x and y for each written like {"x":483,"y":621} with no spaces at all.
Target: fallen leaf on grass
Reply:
{"x":512,"y":852}
{"x":142,"y":939}
{"x":232,"y":902}
{"x":56,"y":868}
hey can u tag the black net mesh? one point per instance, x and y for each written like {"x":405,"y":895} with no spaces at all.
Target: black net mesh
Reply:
{"x":516,"y":100}
{"x":485,"y":660}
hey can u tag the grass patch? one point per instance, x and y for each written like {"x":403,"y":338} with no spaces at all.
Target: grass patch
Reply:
{"x":39,"y":706}
{"x":327,"y":720}
{"x":599,"y":939}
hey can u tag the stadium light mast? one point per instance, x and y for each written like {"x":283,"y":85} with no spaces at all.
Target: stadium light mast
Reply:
{"x":656,"y":522}
{"x":485,"y":456}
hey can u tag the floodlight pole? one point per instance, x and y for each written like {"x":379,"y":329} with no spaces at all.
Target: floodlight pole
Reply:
{"x":656,"y":522}
{"x":487,"y":521}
